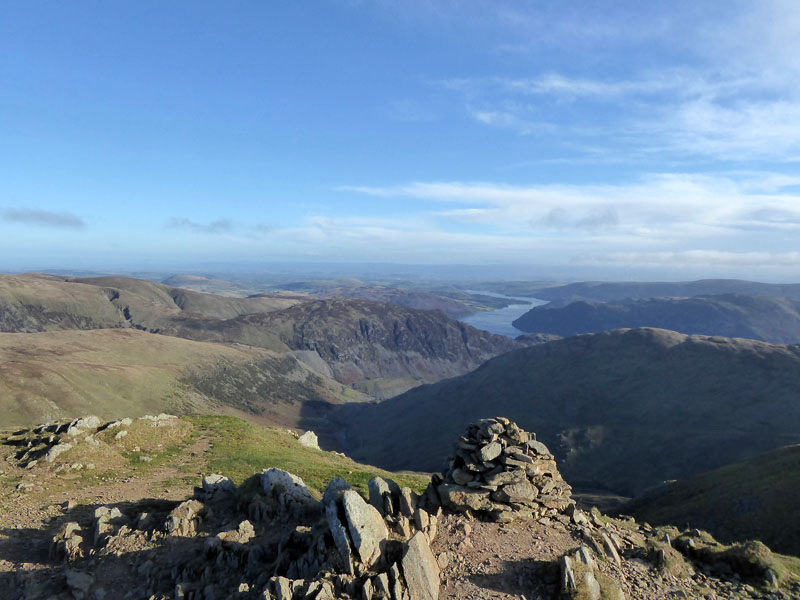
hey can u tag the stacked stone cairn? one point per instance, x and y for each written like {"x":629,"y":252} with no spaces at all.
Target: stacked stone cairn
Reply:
{"x":502,"y":473}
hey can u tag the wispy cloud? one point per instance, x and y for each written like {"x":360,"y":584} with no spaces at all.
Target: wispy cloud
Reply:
{"x":658,"y":206}
{"x":733,"y":95}
{"x":42,"y":218}
{"x":218,"y":227}
{"x":696,"y":258}
{"x":221,"y":227}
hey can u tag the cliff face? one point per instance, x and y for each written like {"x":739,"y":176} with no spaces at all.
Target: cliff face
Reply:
{"x":362,"y":340}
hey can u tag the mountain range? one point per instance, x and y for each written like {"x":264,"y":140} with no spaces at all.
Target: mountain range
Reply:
{"x":348,"y":345}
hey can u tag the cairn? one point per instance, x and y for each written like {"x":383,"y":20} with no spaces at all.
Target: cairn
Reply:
{"x":502,"y":473}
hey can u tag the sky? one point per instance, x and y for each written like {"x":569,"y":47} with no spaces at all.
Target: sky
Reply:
{"x":568,"y":139}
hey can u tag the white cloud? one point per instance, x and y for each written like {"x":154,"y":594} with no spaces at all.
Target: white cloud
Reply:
{"x":663,"y":207}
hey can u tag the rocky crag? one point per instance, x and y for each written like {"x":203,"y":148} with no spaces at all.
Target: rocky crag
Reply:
{"x":271,"y":537}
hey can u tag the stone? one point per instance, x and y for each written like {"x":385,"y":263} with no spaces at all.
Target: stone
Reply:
{"x":121,"y":434}
{"x":57,"y":450}
{"x":332,"y":503}
{"x":121,"y":423}
{"x":506,"y":477}
{"x":538,"y":447}
{"x":217,"y":485}
{"x":408,"y":502}
{"x":395,"y":582}
{"x":420,"y":569}
{"x":584,"y":555}
{"x":366,"y":526}
{"x":66,"y":544}
{"x":289,"y":490}
{"x":461,"y":477}
{"x":381,"y":585}
{"x":579,"y":518}
{"x":309,"y":440}
{"x":239,"y":536}
{"x":590,"y":587}
{"x":184,"y":518}
{"x":516,"y":492}
{"x":568,"y":582}
{"x":490,"y":452}
{"x":459,"y":498}
{"x":81,"y":424}
{"x":282,"y":588}
{"x":610,"y":550}
{"x":383,"y":494}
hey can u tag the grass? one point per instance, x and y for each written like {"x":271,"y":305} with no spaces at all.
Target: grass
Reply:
{"x":241,"y":449}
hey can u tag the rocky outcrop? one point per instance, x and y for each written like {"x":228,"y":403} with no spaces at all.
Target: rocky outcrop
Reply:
{"x":50,"y":441}
{"x":501,"y":472}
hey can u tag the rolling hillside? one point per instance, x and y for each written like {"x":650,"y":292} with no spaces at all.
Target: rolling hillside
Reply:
{"x":770,"y":319}
{"x":119,"y":372}
{"x":622,"y":410}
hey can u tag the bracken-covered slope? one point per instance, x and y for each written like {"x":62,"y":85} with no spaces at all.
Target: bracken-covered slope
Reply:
{"x":622,"y":410}
{"x":115,"y":372}
{"x":758,"y":498}
{"x":770,"y":319}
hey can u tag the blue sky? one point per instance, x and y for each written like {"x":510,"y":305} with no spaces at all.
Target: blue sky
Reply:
{"x":580,"y":138}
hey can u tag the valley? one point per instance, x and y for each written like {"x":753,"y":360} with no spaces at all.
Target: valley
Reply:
{"x":390,"y":385}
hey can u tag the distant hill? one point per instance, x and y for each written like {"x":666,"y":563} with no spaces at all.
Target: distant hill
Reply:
{"x":765,"y":318}
{"x":608,"y":291}
{"x":758,"y":498}
{"x":31,"y":303}
{"x":622,"y":410}
{"x":117,"y":372}
{"x":378,"y":348}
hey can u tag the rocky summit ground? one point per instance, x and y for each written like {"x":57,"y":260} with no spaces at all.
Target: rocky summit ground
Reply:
{"x":92,"y":510}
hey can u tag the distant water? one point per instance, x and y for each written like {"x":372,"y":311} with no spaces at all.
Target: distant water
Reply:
{"x":499,"y":321}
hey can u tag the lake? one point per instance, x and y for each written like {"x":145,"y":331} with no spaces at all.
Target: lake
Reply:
{"x":499,"y":321}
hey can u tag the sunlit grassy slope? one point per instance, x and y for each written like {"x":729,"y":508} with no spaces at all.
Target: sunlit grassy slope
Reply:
{"x":120,"y":372}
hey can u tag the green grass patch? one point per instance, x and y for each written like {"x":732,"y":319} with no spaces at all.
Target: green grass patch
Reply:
{"x":241,"y":449}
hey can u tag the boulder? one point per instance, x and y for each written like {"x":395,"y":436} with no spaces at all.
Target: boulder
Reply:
{"x":420,"y":569}
{"x":366,"y":526}
{"x":309,"y":440}
{"x":334,"y":513}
